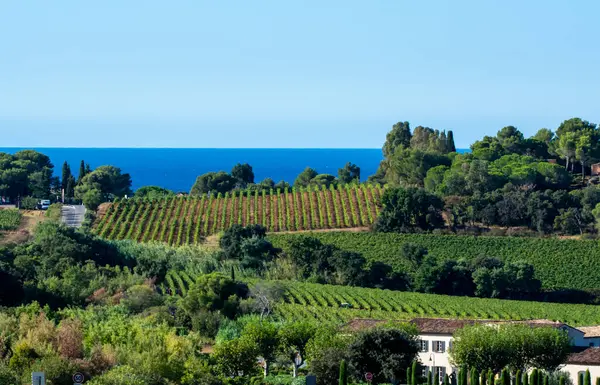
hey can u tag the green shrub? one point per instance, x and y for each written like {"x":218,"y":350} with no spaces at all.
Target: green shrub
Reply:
{"x":29,"y":203}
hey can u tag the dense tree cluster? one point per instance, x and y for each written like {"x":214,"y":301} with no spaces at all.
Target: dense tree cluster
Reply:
{"x":518,"y":346}
{"x":26,"y":173}
{"x":103,"y":184}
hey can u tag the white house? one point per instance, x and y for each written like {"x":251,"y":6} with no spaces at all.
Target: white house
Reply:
{"x":436,"y":336}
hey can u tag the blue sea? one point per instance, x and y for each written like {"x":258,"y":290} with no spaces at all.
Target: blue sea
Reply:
{"x":177,"y":168}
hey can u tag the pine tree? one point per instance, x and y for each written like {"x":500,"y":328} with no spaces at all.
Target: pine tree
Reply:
{"x":81,"y":172}
{"x":414,"y":371}
{"x":66,"y":173}
{"x":232,"y":273}
{"x":450,"y":142}
{"x":343,"y":380}
{"x":88,"y":169}
{"x":588,"y":378}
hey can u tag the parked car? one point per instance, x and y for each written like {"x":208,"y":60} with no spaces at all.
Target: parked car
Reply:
{"x":44,"y":204}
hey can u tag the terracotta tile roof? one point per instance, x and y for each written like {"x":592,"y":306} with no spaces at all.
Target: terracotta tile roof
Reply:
{"x":590,"y":356}
{"x":359,"y":324}
{"x":441,"y":325}
{"x":590,"y":331}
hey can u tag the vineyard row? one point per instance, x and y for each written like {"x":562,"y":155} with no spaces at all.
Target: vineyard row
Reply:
{"x":185,"y":220}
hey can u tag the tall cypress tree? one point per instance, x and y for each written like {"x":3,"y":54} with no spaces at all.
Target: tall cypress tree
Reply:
{"x":597,"y":380}
{"x":81,"y":172}
{"x":562,"y":380}
{"x":450,"y":142}
{"x":446,"y":379}
{"x":343,"y":380}
{"x":505,"y":377}
{"x":408,"y":376}
{"x":429,"y":377}
{"x":66,"y":173}
{"x":588,"y":379}
{"x":491,"y":377}
{"x":483,"y":378}
{"x":525,"y":378}
{"x":533,"y":377}
{"x":546,"y":379}
{"x":70,"y":189}
{"x":518,"y":377}
{"x":474,"y":377}
{"x":415,"y":369}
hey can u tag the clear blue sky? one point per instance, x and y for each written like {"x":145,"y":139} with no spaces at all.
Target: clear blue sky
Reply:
{"x":290,"y":73}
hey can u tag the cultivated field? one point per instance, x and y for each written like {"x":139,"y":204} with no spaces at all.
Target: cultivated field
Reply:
{"x":185,"y":220}
{"x":559,"y":263}
{"x":323,"y":303}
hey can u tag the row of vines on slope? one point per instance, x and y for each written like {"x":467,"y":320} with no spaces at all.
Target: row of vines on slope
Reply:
{"x":184,"y":220}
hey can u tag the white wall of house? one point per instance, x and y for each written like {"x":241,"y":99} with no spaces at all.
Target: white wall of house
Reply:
{"x":436,"y":355}
{"x":578,"y":338}
{"x":432,"y":356}
{"x":574,"y":370}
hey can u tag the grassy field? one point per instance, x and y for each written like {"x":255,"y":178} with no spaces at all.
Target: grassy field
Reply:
{"x":186,"y":220}
{"x":558,"y":263}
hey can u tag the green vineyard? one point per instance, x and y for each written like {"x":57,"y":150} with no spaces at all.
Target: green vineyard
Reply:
{"x":185,"y":220}
{"x":559,"y":263}
{"x":10,"y":219}
{"x":338,"y":304}
{"x":323,"y":303}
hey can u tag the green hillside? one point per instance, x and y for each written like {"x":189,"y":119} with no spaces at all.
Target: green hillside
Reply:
{"x":322,"y":302}
{"x":558,"y":263}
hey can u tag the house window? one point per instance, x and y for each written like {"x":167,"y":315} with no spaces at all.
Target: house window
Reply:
{"x":424,"y":345}
{"x":439,"y":346}
{"x":441,"y":372}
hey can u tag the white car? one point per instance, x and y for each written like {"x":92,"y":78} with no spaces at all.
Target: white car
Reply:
{"x":44,"y":204}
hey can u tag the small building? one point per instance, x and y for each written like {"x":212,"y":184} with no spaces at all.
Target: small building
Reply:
{"x":595,"y":169}
{"x":577,"y":363}
{"x":436,"y":336}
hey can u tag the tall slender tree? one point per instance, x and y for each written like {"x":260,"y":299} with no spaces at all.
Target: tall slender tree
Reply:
{"x":81,"y":172}
{"x":587,"y":379}
{"x":414,"y":373}
{"x":474,"y":377}
{"x":450,"y":142}
{"x":343,"y":380}
{"x":66,"y":173}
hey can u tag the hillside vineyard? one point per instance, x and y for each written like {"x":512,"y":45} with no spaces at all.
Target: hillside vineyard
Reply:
{"x":185,"y":220}
{"x":322,"y":303}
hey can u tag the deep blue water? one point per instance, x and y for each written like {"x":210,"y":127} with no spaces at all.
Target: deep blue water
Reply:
{"x":177,"y":169}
